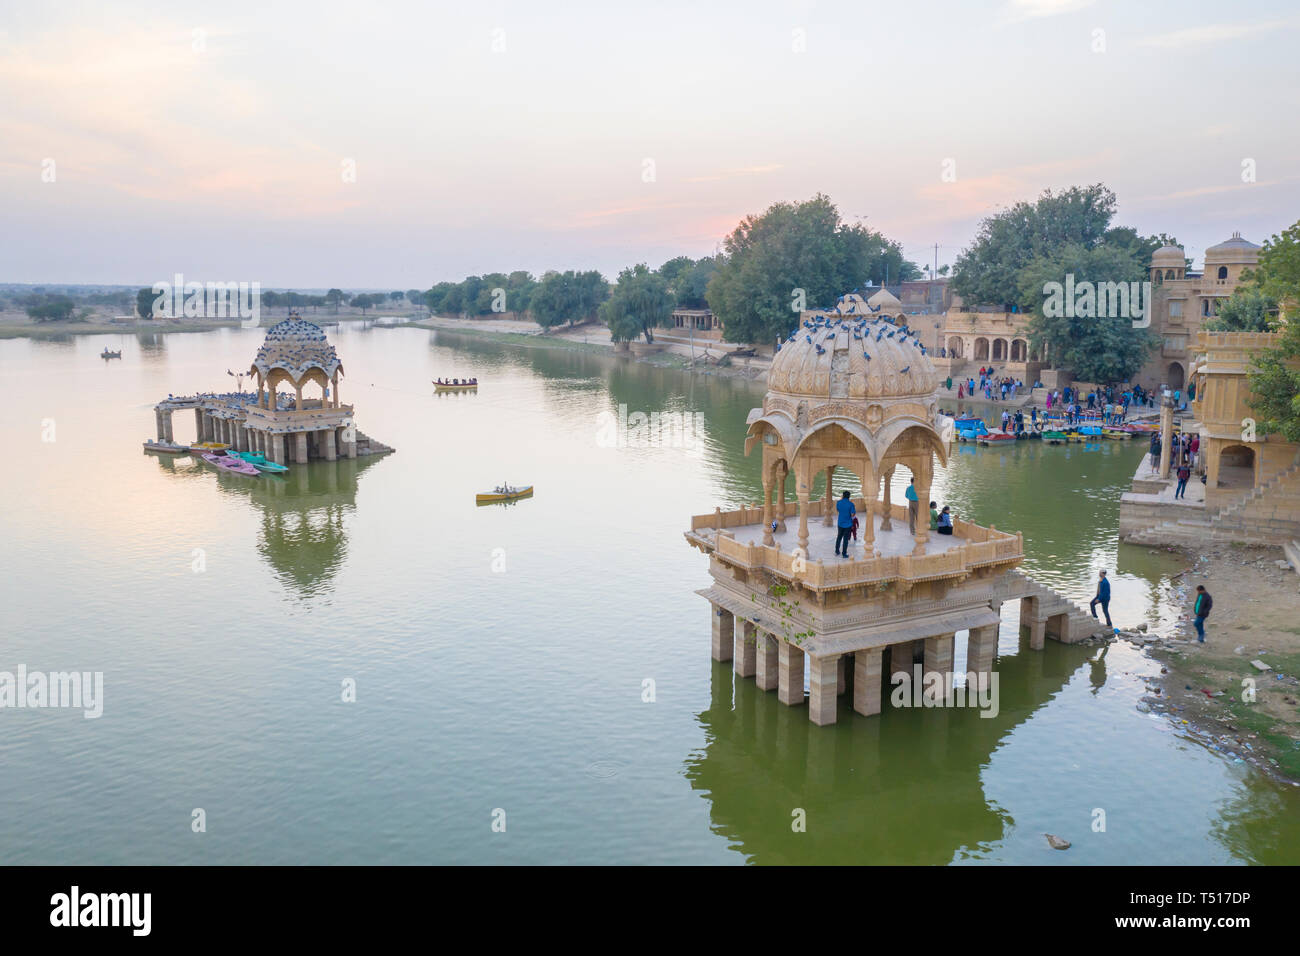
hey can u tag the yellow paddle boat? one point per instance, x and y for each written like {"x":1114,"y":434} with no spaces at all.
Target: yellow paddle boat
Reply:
{"x":503,"y":493}
{"x":208,"y":447}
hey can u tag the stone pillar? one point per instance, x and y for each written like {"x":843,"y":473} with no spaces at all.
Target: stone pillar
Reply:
{"x":277,"y":449}
{"x":351,"y":447}
{"x":789,"y":674}
{"x":208,"y":428}
{"x":767,"y":508}
{"x":830,"y":497}
{"x":887,"y":509}
{"x":724,"y":629}
{"x":866,"y":681}
{"x":1029,"y":619}
{"x":921,"y":480}
{"x":766,"y":662}
{"x":300,"y":448}
{"x":198,"y":425}
{"x":901,"y":660}
{"x":331,"y":449}
{"x":981,"y":648}
{"x":801,"y":491}
{"x":167,"y":426}
{"x":746,"y":650}
{"x":823,"y":686}
{"x":939,"y":658}
{"x":158,"y":425}
{"x":840,"y":678}
{"x":1166,"y":433}
{"x":782,"y":473}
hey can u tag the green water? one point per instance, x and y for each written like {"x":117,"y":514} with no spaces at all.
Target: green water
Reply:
{"x":501,"y":655}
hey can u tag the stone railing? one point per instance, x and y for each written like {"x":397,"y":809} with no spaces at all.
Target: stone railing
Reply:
{"x":982,"y":547}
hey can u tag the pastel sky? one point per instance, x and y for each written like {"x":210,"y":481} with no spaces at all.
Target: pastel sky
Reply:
{"x":215,"y":139}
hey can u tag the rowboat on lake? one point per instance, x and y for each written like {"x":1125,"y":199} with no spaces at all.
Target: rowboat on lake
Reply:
{"x":107,"y":354}
{"x":503,"y":493}
{"x":166,"y":447}
{"x":257,"y":461}
{"x":228,"y":463}
{"x":454,"y":386}
{"x":206,"y":447}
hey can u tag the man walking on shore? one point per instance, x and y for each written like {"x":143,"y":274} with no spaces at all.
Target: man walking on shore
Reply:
{"x":1184,"y":473}
{"x":845,"y":523}
{"x":1102,"y":598}
{"x":913,"y":506}
{"x":1201,"y":610}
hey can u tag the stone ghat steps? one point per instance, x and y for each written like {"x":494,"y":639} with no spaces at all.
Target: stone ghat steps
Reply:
{"x":1051,"y":603}
{"x":369,"y":446}
{"x":1259,"y":516}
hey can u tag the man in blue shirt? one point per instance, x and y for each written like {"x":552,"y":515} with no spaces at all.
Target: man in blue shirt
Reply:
{"x":913,"y":505}
{"x":845,"y":524}
{"x":1102,"y":598}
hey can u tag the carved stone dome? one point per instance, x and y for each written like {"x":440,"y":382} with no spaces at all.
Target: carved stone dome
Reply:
{"x":296,"y":347}
{"x":832,"y":357}
{"x":1169,"y":256}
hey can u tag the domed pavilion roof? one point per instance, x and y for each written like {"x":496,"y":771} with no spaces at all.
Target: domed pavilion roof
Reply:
{"x":296,"y":346}
{"x":852,"y":357}
{"x":1167,"y":256}
{"x":1235,"y":249}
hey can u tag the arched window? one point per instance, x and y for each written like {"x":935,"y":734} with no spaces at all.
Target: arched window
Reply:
{"x":1205,"y":307}
{"x":1223,"y":272}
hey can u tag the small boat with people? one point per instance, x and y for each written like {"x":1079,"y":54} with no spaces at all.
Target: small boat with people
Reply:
{"x":455,"y":384}
{"x":259,"y":462}
{"x":231,"y":464}
{"x":166,"y":447}
{"x":503,"y":492}
{"x":108,"y":355}
{"x":996,"y":438}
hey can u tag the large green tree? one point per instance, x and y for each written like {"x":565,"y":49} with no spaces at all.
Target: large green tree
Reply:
{"x":1246,"y":310}
{"x":1088,"y":335}
{"x":1275,"y":383}
{"x":50,"y":308}
{"x":793,"y":256}
{"x":639,"y":302}
{"x":989,"y":270}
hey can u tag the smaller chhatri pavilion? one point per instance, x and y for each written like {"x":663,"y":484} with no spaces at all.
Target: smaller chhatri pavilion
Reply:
{"x":851,"y":391}
{"x":286,"y":428}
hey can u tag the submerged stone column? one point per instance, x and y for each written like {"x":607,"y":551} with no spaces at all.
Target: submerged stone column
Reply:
{"x":866,"y":681}
{"x":789,"y":674}
{"x":901,"y":661}
{"x":198,"y":425}
{"x":746,"y":650}
{"x":823,"y":686}
{"x":1029,"y":618}
{"x":766,"y":661}
{"x":724,"y":629}
{"x":300,"y":448}
{"x":167,"y":426}
{"x":277,"y":449}
{"x":981,"y":648}
{"x":331,"y":449}
{"x":939,"y":654}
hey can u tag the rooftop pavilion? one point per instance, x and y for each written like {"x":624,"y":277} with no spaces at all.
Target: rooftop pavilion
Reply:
{"x":853,"y":390}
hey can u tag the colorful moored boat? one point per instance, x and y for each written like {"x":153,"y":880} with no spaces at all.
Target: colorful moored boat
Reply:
{"x":503,"y":493}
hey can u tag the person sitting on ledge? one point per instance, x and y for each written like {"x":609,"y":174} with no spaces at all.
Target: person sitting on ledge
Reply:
{"x":945,"y":521}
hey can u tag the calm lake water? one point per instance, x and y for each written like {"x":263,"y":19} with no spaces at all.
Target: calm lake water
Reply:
{"x":500,"y":653}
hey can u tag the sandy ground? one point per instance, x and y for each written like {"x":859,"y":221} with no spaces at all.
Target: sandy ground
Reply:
{"x":1254,"y":619}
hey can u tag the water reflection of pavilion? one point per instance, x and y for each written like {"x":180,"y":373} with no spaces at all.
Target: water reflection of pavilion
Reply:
{"x":902,"y":787}
{"x":302,"y":532}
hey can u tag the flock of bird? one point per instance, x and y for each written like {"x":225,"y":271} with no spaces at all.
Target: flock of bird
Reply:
{"x":824,"y":328}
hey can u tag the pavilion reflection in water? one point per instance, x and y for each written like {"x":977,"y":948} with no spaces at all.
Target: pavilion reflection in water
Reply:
{"x":302,"y":528}
{"x":904,"y":787}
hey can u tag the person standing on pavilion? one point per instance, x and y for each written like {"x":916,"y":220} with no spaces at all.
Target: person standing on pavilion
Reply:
{"x":844,"y":526}
{"x":913,"y":506}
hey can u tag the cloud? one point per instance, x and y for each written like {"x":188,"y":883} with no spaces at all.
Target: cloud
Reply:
{"x":1191,"y":37}
{"x":1016,"y":11}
